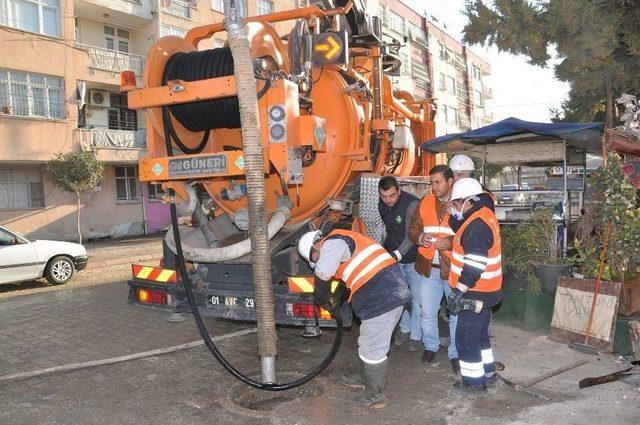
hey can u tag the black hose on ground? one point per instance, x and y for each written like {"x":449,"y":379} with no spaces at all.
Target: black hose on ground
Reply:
{"x":201,"y":326}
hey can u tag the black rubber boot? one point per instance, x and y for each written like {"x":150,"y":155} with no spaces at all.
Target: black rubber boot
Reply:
{"x":355,"y":380}
{"x":375,"y":381}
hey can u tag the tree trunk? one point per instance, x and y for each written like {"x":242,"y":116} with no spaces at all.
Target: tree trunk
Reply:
{"x":78,"y":217}
{"x":610,"y":104}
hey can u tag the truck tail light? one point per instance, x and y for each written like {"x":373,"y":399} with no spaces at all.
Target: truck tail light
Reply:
{"x":307,"y":311}
{"x":153,"y":296}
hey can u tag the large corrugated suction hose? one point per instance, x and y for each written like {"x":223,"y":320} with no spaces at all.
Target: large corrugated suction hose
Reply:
{"x":256,"y":192}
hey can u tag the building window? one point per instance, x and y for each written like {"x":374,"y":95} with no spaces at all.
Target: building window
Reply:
{"x":41,"y":16}
{"x":443,"y":85}
{"x":116,"y":39}
{"x":21,"y":187}
{"x":31,"y":95}
{"x":264,"y":7}
{"x":127,"y":183}
{"x":451,"y":84}
{"x":155,"y":191}
{"x":395,"y":22}
{"x":217,"y":5}
{"x":169,"y":30}
{"x":477,"y":98}
{"x":121,"y":117}
{"x":475,"y":69}
{"x":450,"y":115}
{"x":405,"y":68}
{"x":178,"y":8}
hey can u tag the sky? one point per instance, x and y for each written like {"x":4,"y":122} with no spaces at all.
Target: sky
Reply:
{"x":519,"y":90}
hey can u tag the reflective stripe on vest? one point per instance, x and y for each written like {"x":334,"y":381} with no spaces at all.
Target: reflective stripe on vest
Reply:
{"x":367,"y":259}
{"x":430,"y":223}
{"x":491,"y":265}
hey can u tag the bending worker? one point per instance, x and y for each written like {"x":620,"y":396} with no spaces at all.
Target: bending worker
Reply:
{"x":430,"y":230}
{"x":376,"y":290}
{"x":476,"y":280}
{"x":396,"y":207}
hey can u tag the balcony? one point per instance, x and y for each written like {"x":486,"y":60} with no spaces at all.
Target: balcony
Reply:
{"x":125,"y":12}
{"x":113,"y":61}
{"x":178,"y":8}
{"x":112,"y":145}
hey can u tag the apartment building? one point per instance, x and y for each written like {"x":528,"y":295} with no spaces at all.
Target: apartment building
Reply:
{"x":436,"y":65}
{"x":59,"y":92}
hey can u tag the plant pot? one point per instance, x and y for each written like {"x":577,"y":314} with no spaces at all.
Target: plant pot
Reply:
{"x":549,"y":274}
{"x":630,"y":297}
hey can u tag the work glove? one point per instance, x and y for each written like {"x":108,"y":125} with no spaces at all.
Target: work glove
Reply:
{"x":336,"y":299}
{"x":454,"y":302}
{"x":396,"y":255}
{"x":321,"y":292}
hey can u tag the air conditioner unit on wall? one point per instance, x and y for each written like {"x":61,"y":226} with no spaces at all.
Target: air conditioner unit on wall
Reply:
{"x":100,"y":98}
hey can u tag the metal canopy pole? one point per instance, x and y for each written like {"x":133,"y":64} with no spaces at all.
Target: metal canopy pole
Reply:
{"x":484,"y":166}
{"x":565,"y":200}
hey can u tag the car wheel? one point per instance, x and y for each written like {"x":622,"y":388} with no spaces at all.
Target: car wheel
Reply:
{"x":59,"y":270}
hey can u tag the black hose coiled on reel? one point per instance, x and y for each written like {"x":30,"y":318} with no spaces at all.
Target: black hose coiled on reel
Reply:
{"x":201,"y":65}
{"x":204,"y":115}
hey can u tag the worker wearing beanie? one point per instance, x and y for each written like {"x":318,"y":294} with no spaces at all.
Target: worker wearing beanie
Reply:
{"x":476,"y":280}
{"x":375,"y":287}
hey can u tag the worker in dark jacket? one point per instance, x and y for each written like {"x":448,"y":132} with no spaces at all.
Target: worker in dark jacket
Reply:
{"x":476,"y":280}
{"x":376,"y":290}
{"x":396,"y":207}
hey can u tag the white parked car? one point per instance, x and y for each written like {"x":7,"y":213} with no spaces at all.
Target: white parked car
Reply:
{"x":23,"y":259}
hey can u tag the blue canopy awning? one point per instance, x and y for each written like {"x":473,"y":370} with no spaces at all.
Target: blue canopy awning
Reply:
{"x":582,"y":136}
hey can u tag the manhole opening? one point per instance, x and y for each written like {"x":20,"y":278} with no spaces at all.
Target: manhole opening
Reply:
{"x":256,"y":400}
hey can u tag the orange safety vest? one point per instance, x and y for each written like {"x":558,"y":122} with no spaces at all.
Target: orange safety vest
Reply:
{"x":367,"y":259}
{"x":431,"y":224}
{"x":491,"y":278}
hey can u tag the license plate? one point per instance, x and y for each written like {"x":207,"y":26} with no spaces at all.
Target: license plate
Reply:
{"x":219,"y":300}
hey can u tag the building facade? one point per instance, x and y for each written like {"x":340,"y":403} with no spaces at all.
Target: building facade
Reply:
{"x":435,"y":65}
{"x":59,"y":92}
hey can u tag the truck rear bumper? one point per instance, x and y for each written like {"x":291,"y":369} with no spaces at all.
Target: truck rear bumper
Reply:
{"x":234,"y":304}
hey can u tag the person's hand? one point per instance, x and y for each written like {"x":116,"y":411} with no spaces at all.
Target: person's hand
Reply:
{"x":443,"y":244}
{"x":424,"y":240}
{"x":336,"y":299}
{"x":321,"y":293}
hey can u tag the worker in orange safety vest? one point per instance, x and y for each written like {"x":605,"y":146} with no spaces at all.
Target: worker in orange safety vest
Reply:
{"x":376,"y":289}
{"x":476,"y":280}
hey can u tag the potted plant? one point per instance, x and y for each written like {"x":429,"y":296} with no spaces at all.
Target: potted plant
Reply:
{"x":617,"y":203}
{"x":532,"y":252}
{"x":525,"y":248}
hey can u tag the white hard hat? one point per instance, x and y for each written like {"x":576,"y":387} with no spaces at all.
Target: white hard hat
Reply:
{"x":466,"y":188}
{"x":306,"y":242}
{"x":461,"y":163}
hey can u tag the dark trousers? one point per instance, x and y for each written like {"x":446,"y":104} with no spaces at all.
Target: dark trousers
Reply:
{"x":474,"y":347}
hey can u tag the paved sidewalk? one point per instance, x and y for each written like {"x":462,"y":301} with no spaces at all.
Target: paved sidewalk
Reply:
{"x":70,"y":326}
{"x":189,"y":387}
{"x":113,"y":252}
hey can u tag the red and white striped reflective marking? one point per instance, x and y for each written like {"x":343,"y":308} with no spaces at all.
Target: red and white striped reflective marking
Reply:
{"x":156,"y":274}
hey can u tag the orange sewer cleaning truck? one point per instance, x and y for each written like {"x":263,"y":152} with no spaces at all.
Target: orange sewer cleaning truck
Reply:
{"x":330,"y":122}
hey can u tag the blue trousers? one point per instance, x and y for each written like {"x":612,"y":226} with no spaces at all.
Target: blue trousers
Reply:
{"x":474,"y":347}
